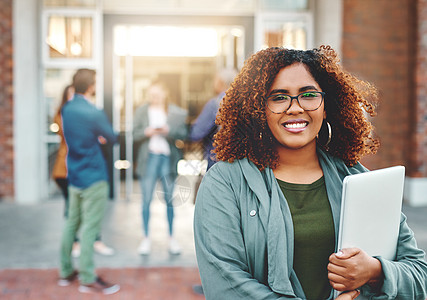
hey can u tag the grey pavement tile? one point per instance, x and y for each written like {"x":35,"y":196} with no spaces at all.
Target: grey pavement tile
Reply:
{"x":30,"y":234}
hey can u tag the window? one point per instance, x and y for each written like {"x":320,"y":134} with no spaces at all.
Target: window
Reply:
{"x":288,"y":34}
{"x":69,"y":37}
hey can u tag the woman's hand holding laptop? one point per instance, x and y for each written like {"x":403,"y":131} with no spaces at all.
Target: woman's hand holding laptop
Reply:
{"x":350,"y":268}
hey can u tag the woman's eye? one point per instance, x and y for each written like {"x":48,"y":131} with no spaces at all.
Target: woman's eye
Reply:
{"x":280,"y":97}
{"x":309,"y":95}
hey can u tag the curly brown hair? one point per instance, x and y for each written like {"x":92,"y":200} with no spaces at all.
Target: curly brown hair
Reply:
{"x":242,"y":117}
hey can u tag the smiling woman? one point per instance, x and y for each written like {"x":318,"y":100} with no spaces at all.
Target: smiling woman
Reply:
{"x":267,"y":214}
{"x":252,"y":91}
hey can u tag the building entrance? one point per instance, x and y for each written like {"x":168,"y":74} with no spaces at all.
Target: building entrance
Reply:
{"x":185,"y":58}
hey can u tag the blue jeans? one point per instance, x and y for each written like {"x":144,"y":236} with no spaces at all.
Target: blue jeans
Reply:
{"x":158,"y":167}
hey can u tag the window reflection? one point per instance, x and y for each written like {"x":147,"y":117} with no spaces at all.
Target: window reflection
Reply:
{"x":69,"y":37}
{"x":291,"y":35}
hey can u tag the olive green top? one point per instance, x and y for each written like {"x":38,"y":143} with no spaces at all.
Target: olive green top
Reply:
{"x":314,"y":235}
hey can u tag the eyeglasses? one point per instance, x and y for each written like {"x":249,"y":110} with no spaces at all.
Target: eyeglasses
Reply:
{"x":308,"y":101}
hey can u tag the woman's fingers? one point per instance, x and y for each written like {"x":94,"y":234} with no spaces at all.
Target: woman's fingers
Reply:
{"x":337,"y":269}
{"x":348,"y":295}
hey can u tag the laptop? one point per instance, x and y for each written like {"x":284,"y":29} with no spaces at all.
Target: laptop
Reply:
{"x":370,"y":212}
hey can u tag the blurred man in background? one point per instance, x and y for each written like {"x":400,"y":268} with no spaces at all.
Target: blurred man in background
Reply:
{"x":85,"y":129}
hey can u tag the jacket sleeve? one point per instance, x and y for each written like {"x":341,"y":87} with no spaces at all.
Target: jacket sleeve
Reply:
{"x":205,"y":122}
{"x":220,"y":246}
{"x":177,"y":118}
{"x":139,"y":125}
{"x":405,"y":278}
{"x":104,"y":128}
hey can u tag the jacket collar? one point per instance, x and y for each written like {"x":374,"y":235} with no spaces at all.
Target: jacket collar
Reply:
{"x":81,"y":98}
{"x":277,"y":222}
{"x":279,"y":229}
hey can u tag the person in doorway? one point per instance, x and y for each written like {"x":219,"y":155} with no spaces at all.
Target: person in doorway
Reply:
{"x":59,"y":174}
{"x":292,"y":126}
{"x":85,"y":127}
{"x":159,"y":127}
{"x":204,"y":127}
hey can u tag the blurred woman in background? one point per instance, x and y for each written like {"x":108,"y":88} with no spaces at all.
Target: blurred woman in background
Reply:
{"x":159,"y":127}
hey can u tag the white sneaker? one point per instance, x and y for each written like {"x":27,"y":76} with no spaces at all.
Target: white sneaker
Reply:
{"x":76,"y":250}
{"x":103,"y":249}
{"x":145,"y":247}
{"x":174,"y":247}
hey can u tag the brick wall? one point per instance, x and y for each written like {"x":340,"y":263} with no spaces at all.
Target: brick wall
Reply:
{"x":418,"y":157}
{"x":378,"y":46}
{"x":6,"y":100}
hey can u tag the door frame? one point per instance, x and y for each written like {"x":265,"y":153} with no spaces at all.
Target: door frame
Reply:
{"x":111,"y":65}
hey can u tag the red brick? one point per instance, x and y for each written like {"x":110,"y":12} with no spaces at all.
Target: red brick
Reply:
{"x":6,"y":100}
{"x":378,"y":45}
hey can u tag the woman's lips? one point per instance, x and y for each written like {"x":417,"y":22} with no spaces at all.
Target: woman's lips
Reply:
{"x":295,"y":125}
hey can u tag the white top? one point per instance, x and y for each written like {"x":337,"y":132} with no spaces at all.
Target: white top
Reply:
{"x":158,"y":144}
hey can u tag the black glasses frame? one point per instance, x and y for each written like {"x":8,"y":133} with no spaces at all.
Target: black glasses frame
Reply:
{"x":296,"y":98}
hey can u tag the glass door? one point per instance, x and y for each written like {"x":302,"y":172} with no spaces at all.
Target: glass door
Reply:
{"x":286,"y":24}
{"x":188,"y":70}
{"x":122,"y":123}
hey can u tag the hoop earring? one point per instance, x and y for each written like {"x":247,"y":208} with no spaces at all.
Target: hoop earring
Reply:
{"x":329,"y":134}
{"x":323,"y":135}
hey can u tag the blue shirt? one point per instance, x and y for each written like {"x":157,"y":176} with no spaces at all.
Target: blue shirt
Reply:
{"x":83,"y":123}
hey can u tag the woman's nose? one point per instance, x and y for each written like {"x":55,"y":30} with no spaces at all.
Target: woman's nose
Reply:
{"x":294,"y":107}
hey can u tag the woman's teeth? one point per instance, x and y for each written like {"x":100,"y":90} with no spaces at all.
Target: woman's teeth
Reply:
{"x":295,"y":125}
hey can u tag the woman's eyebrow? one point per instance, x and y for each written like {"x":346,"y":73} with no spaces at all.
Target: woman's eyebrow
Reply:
{"x":308,"y":88}
{"x":302,"y":89}
{"x":279,"y":91}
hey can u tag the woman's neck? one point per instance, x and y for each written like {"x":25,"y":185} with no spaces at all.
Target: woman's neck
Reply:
{"x":298,"y":165}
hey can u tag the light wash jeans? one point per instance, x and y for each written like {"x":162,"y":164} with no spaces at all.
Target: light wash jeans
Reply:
{"x":86,"y":211}
{"x":158,"y":167}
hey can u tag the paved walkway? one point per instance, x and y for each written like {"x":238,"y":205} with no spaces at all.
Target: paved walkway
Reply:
{"x":136,"y":283}
{"x":30,"y":235}
{"x":29,"y":252}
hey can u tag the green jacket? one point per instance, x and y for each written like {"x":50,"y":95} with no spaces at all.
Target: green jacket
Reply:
{"x":244,"y":236}
{"x":176,"y":120}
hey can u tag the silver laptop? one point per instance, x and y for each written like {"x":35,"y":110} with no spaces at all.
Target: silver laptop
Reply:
{"x":370,"y":212}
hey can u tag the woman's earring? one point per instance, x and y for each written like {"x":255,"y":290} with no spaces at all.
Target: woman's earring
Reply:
{"x":260,"y":135}
{"x":329,"y":134}
{"x":323,"y":136}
